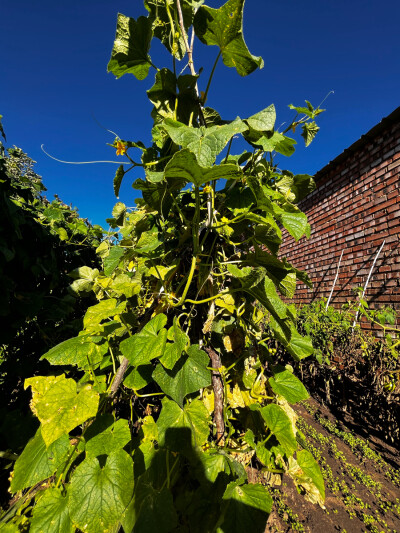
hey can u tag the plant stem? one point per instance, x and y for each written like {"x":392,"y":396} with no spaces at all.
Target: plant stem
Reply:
{"x":218,"y":388}
{"x":211,"y":77}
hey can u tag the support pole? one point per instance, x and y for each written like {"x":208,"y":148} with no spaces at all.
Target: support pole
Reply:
{"x":366,"y":284}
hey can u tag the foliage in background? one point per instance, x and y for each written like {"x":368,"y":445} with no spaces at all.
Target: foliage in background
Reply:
{"x":159,"y":406}
{"x":357,"y":370}
{"x":40,"y":243}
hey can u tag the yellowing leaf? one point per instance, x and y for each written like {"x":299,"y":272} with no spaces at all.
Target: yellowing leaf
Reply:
{"x":60,"y":417}
{"x":226,"y":301}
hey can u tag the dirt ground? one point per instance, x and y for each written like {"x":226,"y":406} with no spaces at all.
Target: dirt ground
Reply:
{"x":362,"y":480}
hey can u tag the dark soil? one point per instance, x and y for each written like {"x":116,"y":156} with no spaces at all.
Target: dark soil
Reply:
{"x":362,"y":480}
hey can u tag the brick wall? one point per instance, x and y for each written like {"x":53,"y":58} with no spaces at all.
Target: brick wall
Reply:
{"x":355,"y":207}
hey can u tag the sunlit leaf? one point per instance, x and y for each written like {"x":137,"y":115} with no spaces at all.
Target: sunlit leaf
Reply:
{"x":289,"y":386}
{"x":37,"y":462}
{"x":224,"y":27}
{"x":130,"y":53}
{"x":280,"y":425}
{"x":205,"y":143}
{"x":99,"y":493}
{"x":51,"y":513}
{"x":58,"y":418}
{"x":190,"y":374}
{"x":106,"y":435}
{"x":148,"y":343}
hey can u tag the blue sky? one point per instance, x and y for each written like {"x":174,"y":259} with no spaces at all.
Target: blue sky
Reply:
{"x":53,"y":81}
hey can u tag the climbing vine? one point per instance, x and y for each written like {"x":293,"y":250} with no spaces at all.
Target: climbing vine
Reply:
{"x":157,"y":409}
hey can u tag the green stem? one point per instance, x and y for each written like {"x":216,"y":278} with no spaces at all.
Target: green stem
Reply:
{"x":189,"y":281}
{"x":211,"y":77}
{"x":212,"y":297}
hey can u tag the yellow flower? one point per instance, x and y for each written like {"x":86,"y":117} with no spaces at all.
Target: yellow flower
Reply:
{"x":121,"y":148}
{"x":225,"y":220}
{"x":207,"y":189}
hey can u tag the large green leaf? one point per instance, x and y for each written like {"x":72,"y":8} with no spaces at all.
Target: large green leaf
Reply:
{"x":104,"y":309}
{"x":148,"y":242}
{"x":37,"y":462}
{"x":224,"y":27}
{"x":60,"y":418}
{"x":184,"y":165}
{"x":299,"y":346}
{"x":78,"y":351}
{"x":205,"y":143}
{"x":130,"y":53}
{"x":174,"y":423}
{"x":293,"y":220}
{"x":246,"y":509}
{"x":51,"y":513}
{"x":106,"y":435}
{"x":174,"y":350}
{"x":172,"y":95}
{"x":148,"y":343}
{"x":263,"y":120}
{"x":138,"y":377}
{"x":190,"y":374}
{"x":151,"y":511}
{"x":100,"y":493}
{"x":112,"y":260}
{"x":280,"y":425}
{"x":289,"y":386}
{"x":311,"y":469}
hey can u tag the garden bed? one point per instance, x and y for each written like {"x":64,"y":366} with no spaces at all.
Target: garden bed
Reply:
{"x":362,"y":479}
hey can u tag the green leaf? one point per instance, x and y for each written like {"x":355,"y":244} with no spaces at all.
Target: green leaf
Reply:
{"x":139,"y":377}
{"x":174,"y":350}
{"x":224,"y":27}
{"x":299,"y":346}
{"x":78,"y":351}
{"x":263,"y":120}
{"x":168,"y":100}
{"x":37,"y":462}
{"x":205,"y":143}
{"x":174,"y":422}
{"x":292,"y":219}
{"x":60,"y":418}
{"x":280,"y":425}
{"x":183,"y":165}
{"x":111,"y":262}
{"x":148,"y":242}
{"x":311,"y":469}
{"x":289,"y":386}
{"x":190,"y":374}
{"x":214,"y":463}
{"x":118,"y":180}
{"x":151,"y":511}
{"x":310,"y":130}
{"x":100,"y":493}
{"x":51,"y":513}
{"x":104,"y":309}
{"x":245,"y":505}
{"x":106,"y":435}
{"x":148,"y":343}
{"x":309,"y":111}
{"x":277,"y":141}
{"x":130,"y":53}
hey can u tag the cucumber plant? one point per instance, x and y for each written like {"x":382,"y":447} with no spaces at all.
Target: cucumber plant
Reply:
{"x":156,"y":413}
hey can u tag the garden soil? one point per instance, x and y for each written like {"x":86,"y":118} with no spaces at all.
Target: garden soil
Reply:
{"x":362,"y":480}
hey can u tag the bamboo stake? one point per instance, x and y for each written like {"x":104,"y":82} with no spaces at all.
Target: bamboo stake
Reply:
{"x":366,"y":284}
{"x":334,"y":282}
